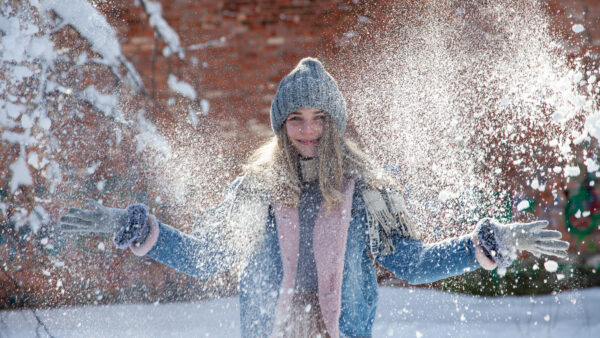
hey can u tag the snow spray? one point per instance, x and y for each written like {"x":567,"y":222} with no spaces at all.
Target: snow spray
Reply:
{"x":474,"y":104}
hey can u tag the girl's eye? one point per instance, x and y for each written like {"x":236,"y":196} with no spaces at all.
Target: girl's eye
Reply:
{"x":293,"y":118}
{"x":320,"y":117}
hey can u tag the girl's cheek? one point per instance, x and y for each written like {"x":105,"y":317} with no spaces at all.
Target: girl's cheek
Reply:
{"x":319,"y":129}
{"x":291,"y":129}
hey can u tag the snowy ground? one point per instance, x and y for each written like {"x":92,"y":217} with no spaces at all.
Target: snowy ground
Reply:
{"x":402,"y":313}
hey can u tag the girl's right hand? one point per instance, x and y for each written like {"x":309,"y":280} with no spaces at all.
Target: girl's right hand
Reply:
{"x":99,"y":219}
{"x":129,"y":225}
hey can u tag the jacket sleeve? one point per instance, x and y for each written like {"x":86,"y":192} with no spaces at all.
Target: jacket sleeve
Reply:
{"x":200,"y":257}
{"x":420,"y":263}
{"x":202,"y":254}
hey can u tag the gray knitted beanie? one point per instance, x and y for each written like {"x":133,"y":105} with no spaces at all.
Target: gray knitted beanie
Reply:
{"x":308,"y":86}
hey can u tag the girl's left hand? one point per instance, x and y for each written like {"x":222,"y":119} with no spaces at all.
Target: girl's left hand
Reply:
{"x":505,"y":239}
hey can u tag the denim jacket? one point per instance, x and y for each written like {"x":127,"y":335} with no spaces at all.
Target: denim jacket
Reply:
{"x":259,"y":284}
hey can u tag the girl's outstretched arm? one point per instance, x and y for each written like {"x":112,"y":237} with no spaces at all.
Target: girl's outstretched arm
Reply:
{"x":202,"y":255}
{"x":420,"y":263}
{"x":198,"y":256}
{"x":491,"y":244}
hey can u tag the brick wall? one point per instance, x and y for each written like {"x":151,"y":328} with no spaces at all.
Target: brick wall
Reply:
{"x":585,"y":12}
{"x":237,"y":51}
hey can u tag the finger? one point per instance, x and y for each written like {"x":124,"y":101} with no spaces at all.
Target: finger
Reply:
{"x":553,"y":252}
{"x":75,"y":221}
{"x":81,"y":213}
{"x":554,"y":244}
{"x":548,"y":234}
{"x":535,"y":225}
{"x":73,"y":228}
{"x":535,"y":253}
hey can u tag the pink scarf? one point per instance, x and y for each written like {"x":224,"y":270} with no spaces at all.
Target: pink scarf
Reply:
{"x":329,"y":243}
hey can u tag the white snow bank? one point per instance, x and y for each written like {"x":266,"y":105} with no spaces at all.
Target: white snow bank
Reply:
{"x":402,"y":312}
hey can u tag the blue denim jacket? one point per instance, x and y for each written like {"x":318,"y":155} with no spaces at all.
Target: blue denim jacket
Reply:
{"x":260,"y":282}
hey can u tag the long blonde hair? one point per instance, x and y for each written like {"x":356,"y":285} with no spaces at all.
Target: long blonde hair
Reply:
{"x":275,"y":164}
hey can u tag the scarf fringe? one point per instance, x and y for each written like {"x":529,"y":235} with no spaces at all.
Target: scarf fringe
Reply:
{"x":384,"y":218}
{"x":400,"y":211}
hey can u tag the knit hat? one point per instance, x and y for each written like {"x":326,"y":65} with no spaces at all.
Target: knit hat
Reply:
{"x":309,"y":85}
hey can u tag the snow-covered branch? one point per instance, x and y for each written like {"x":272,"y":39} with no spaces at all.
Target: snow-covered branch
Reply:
{"x":94,"y":28}
{"x":162,"y":28}
{"x":44,"y":82}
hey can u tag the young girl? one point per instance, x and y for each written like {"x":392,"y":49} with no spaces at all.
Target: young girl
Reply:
{"x":306,"y":222}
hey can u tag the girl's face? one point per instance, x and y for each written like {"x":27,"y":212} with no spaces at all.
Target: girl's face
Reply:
{"x":304,"y":128}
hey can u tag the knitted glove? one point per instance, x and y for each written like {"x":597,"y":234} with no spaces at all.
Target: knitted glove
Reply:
{"x":501,"y":241}
{"x":129,"y":225}
{"x":99,"y":219}
{"x":136,"y":229}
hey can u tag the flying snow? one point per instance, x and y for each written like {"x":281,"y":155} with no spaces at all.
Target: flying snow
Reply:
{"x":181,"y":87}
{"x":551,"y":266}
{"x":454,"y":104}
{"x":20,"y":174}
{"x":578,"y":28}
{"x":524,"y":204}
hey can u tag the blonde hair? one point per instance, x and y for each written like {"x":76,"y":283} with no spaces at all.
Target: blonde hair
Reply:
{"x":275,"y":164}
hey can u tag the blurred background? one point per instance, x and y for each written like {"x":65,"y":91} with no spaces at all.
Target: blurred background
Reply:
{"x":485,"y":107}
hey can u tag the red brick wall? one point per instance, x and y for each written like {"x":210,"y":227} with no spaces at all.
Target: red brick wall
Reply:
{"x":254,"y":44}
{"x":586,"y":12}
{"x":249,"y":48}
{"x":250,"y":45}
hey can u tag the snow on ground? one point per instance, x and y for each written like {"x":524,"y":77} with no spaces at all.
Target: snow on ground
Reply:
{"x":402,"y":312}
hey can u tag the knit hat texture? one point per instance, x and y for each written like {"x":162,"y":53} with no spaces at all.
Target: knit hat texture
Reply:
{"x":309,"y":85}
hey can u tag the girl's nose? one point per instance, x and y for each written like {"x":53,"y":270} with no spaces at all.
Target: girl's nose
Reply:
{"x":307,"y":127}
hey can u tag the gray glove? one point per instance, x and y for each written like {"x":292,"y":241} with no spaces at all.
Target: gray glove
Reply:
{"x":99,"y":219}
{"x":501,"y":241}
{"x":130,"y":225}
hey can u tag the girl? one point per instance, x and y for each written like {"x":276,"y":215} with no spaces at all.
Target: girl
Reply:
{"x":306,"y":222}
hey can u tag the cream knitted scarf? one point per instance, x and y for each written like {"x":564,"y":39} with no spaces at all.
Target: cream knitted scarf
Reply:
{"x":385,"y":209}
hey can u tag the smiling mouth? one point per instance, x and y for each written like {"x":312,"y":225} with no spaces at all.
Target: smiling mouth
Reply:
{"x":308,"y":142}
